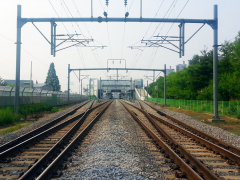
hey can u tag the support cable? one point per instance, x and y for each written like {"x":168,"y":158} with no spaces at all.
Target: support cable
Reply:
{"x":145,"y":35}
{"x":98,"y":59}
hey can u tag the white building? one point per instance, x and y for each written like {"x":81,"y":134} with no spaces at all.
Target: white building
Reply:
{"x":168,"y":71}
{"x":180,"y":67}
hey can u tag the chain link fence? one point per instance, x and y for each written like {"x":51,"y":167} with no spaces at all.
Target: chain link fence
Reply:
{"x":37,"y":96}
{"x":226,"y":108}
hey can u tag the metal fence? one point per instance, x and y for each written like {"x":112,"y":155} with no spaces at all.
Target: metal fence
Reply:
{"x":37,"y":96}
{"x":227,"y":108}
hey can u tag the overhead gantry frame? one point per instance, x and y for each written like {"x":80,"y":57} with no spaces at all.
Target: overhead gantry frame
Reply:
{"x":119,"y":69}
{"x":212,"y":22}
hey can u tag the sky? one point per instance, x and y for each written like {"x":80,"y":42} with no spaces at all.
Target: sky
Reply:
{"x":117,"y":36}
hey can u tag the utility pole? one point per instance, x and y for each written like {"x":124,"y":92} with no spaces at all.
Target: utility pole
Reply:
{"x":165,"y":77}
{"x":215,"y":64}
{"x":18,"y":55}
{"x":147,"y":90}
{"x":68,"y":82}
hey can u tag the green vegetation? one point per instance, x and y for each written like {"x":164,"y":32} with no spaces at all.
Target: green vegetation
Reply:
{"x":14,"y":128}
{"x":195,"y":81}
{"x":231,"y":125}
{"x":92,"y":97}
{"x":7,"y":116}
{"x":52,"y":78}
{"x":226,"y":108}
{"x":55,"y":109}
{"x":29,"y":109}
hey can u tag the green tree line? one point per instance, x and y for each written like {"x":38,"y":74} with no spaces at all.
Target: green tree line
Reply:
{"x":196,"y":81}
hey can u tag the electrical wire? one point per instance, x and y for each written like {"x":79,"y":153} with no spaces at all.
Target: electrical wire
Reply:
{"x":123,"y":39}
{"x":96,"y":57}
{"x":177,"y":17}
{"x":30,"y":54}
{"x":58,"y":15}
{"x":171,"y":6}
{"x":109,"y":42}
{"x":136,"y":60}
{"x":172,"y":23}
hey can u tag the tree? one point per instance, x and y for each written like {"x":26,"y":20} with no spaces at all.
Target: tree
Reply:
{"x":2,"y":82}
{"x":52,"y":78}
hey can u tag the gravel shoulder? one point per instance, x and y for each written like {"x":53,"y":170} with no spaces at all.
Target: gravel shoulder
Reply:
{"x":214,"y":131}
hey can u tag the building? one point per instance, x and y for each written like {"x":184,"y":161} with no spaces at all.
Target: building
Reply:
{"x":138,"y":83}
{"x":180,"y":67}
{"x":42,"y":86}
{"x":168,"y":71}
{"x":23,"y":83}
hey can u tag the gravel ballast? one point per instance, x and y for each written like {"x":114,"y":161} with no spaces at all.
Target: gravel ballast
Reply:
{"x":206,"y":128}
{"x":113,"y":149}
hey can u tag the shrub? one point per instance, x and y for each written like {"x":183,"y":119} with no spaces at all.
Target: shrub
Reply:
{"x":232,"y":110}
{"x":7,"y":116}
{"x":238,"y":115}
{"x":55,"y":109}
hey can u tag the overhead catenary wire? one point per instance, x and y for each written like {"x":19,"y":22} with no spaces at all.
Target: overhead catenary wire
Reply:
{"x":136,"y":60}
{"x":79,"y":30}
{"x":30,"y":54}
{"x":96,"y":57}
{"x":171,"y":6}
{"x":172,"y":23}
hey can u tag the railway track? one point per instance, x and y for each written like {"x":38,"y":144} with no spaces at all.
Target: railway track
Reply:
{"x":194,"y":156}
{"x":34,"y":157}
{"x":180,"y":152}
{"x":34,"y":132}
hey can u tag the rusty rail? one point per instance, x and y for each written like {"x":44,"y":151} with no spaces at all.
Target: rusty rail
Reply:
{"x":191,"y":174}
{"x":34,"y":132}
{"x":195,"y":163}
{"x":47,"y":173}
{"x":199,"y":133}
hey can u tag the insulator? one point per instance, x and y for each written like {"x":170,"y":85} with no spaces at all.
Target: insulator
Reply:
{"x":105,"y":14}
{"x":126,"y":14}
{"x":125,"y":2}
{"x":107,"y":2}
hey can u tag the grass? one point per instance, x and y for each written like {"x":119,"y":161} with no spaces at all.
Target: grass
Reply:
{"x":13,"y":128}
{"x":7,"y":116}
{"x":231,"y":125}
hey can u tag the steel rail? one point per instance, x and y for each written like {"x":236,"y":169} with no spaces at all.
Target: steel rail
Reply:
{"x":42,"y":128}
{"x":31,"y":173}
{"x":223,"y":152}
{"x":191,"y":174}
{"x":195,"y":163}
{"x":18,"y":147}
{"x":47,"y":173}
{"x":199,"y":133}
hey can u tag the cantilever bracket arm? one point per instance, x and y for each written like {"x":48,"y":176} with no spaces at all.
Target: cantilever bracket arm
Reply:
{"x":194,"y":33}
{"x":41,"y":33}
{"x":69,"y":37}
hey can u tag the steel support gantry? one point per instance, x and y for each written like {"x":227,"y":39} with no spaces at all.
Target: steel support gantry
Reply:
{"x":212,"y":22}
{"x":120,"y":69}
